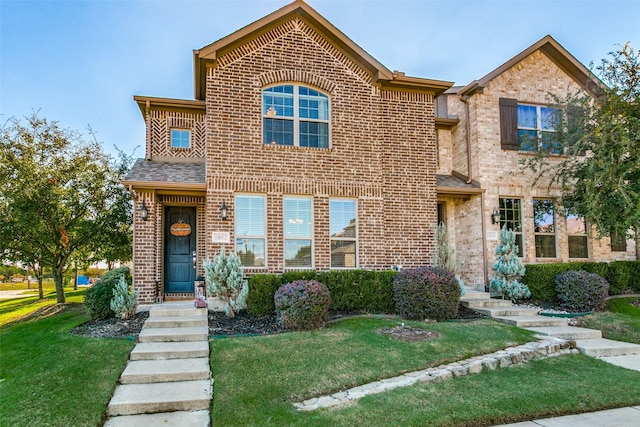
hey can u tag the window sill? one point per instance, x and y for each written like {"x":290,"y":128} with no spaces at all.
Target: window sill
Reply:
{"x":293,"y":147}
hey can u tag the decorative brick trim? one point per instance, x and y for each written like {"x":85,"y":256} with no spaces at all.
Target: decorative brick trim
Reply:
{"x":301,"y":76}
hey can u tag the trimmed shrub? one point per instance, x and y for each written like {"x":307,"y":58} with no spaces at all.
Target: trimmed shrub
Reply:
{"x":541,"y":279}
{"x":262,"y":290}
{"x":580,"y":291}
{"x":124,"y":303}
{"x":351,"y":290}
{"x":97,"y":298}
{"x":426,"y":293}
{"x":302,"y":305}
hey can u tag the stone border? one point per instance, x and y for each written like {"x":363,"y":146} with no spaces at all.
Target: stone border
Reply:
{"x":549,"y":347}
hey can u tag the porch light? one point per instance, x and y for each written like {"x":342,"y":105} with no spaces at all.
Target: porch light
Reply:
{"x":144,"y":212}
{"x":495,"y":217}
{"x":224,"y":211}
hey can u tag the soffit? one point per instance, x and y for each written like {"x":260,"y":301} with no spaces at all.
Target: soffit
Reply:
{"x":556,"y":53}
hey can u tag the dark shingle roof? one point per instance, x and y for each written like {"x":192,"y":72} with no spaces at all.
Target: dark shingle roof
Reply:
{"x":147,"y":171}
{"x":451,"y":183}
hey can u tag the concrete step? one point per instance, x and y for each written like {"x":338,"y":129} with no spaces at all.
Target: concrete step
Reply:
{"x":131,"y":399}
{"x":567,"y":332}
{"x":169,"y":350}
{"x":176,"y":309}
{"x":155,"y":371}
{"x":483,"y":303}
{"x":602,"y":347}
{"x":474,"y":295}
{"x":175,"y":321}
{"x":200,"y":333}
{"x":531,"y":321}
{"x":513,"y":310}
{"x":168,"y":419}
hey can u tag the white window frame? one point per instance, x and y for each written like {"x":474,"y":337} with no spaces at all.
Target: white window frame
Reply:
{"x":178,"y":129}
{"x":240,"y":236}
{"x":545,"y":233}
{"x":538,"y":129}
{"x":296,"y":119}
{"x":584,"y":234}
{"x":355,"y":239}
{"x":298,"y":238}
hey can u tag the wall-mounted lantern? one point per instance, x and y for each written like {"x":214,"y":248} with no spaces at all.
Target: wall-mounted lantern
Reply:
{"x":224,"y":212}
{"x":495,"y":217}
{"x":144,"y":212}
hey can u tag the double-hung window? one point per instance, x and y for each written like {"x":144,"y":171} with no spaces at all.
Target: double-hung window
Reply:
{"x":295,"y":115}
{"x":180,"y":138}
{"x":343,"y":229}
{"x":544,"y":228}
{"x":250,"y":229}
{"x":511,"y":217}
{"x":577,"y":236}
{"x":535,"y":128}
{"x":298,"y":232}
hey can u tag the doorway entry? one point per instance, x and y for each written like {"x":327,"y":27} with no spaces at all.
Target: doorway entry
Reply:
{"x":180,"y":249}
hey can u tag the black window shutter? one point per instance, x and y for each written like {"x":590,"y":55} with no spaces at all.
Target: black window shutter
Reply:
{"x":509,"y":124}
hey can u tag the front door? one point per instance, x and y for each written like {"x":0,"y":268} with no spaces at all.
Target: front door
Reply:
{"x":180,"y":246}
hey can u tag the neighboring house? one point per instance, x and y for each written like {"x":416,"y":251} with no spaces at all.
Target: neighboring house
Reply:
{"x":301,"y":151}
{"x":503,"y":117}
{"x":319,"y":156}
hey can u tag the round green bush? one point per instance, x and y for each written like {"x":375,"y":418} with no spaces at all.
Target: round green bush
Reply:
{"x":579,"y":291}
{"x":97,"y":298}
{"x":426,"y":293}
{"x":302,"y":305}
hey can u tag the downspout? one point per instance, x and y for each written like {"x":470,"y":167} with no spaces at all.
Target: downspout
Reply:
{"x":467,"y":138}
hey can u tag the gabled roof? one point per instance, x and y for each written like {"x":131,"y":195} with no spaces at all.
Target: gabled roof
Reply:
{"x":556,"y":53}
{"x":299,"y":8}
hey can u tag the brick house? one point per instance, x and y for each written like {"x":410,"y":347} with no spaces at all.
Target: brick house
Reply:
{"x":321,"y":157}
{"x":301,"y":151}
{"x":498,"y":117}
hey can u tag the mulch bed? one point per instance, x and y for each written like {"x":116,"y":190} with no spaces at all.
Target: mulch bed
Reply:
{"x":219,"y":324}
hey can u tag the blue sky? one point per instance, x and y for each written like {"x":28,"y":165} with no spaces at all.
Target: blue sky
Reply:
{"x":81,"y":62}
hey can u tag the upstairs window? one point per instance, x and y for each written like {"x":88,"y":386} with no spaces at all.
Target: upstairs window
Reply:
{"x":295,"y":115}
{"x":180,"y":138}
{"x":526,"y":127}
{"x":535,"y":128}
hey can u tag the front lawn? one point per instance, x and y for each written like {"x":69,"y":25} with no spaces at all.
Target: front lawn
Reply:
{"x":257,"y":379}
{"x":49,"y":377}
{"x":12,"y":310}
{"x":620,"y":321}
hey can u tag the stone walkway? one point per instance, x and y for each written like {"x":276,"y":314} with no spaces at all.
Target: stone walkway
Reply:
{"x":167,"y":381}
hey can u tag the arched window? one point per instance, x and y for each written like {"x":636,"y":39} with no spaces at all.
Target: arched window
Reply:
{"x":295,"y":115}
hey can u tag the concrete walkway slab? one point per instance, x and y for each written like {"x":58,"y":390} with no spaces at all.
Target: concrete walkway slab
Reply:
{"x":629,"y":361}
{"x":567,"y":332}
{"x":604,"y":347}
{"x":173,"y":334}
{"x":156,"y":371}
{"x":170,"y":350}
{"x":531,"y":321}
{"x":621,"y":417}
{"x":130,"y":399}
{"x":176,"y":321}
{"x":168,"y":419}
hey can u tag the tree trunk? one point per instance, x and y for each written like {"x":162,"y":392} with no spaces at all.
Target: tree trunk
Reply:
{"x":75,"y":283}
{"x":57,"y":279}
{"x":39,"y":274}
{"x":637,"y":230}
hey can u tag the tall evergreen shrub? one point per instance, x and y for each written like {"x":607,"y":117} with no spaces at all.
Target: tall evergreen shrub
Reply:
{"x":508,"y":268}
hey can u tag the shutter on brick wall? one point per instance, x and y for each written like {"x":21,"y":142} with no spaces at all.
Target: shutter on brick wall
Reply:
{"x":509,"y":124}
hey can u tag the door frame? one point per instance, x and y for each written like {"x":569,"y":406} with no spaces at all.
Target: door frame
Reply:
{"x":163,"y":250}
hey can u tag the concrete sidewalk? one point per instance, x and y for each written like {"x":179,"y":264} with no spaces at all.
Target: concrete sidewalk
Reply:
{"x":621,"y":417}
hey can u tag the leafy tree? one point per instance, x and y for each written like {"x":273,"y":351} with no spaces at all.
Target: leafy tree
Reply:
{"x":598,"y":131}
{"x":59,"y":195}
{"x":509,"y":269}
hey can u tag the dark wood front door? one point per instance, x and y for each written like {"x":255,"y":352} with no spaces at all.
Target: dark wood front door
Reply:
{"x":179,"y":271}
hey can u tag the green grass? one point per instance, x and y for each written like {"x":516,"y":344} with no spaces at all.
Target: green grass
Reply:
{"x":16,"y":309}
{"x":49,"y":377}
{"x":47,"y":285}
{"x":621,"y":320}
{"x":257,"y":378}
